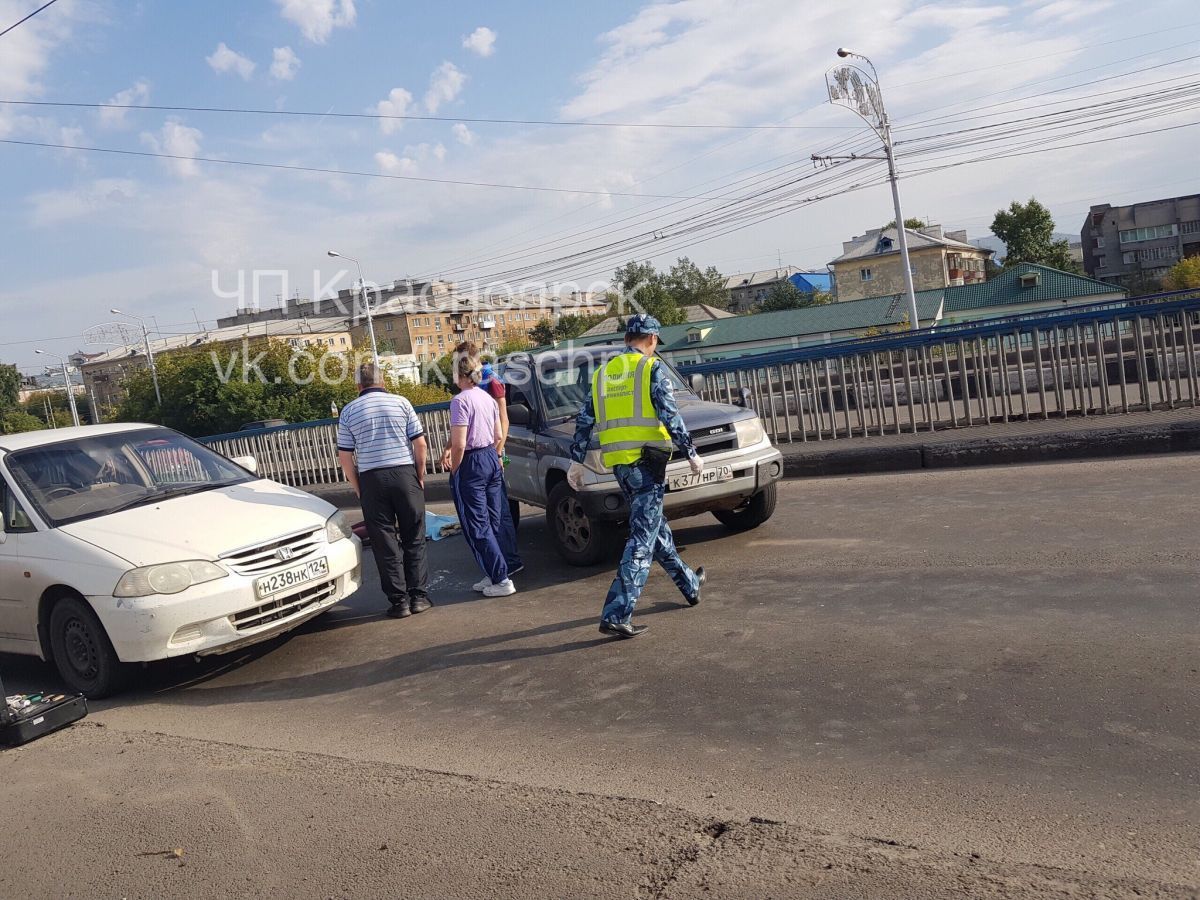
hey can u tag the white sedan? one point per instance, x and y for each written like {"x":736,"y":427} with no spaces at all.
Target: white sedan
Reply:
{"x":131,"y":543}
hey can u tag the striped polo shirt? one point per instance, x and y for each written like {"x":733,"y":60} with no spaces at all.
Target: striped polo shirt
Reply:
{"x":379,"y":427}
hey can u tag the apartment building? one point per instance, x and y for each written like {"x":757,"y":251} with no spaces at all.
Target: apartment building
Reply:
{"x":870,"y":264}
{"x":1136,"y":245}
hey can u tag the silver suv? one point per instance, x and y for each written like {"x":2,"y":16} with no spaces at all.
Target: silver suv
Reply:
{"x":545,"y":391}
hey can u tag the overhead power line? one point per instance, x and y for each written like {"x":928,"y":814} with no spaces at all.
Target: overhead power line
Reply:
{"x":27,"y":18}
{"x":346,"y":172}
{"x":315,"y":114}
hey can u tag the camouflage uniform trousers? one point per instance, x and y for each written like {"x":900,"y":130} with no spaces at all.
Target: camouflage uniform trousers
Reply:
{"x":649,"y":539}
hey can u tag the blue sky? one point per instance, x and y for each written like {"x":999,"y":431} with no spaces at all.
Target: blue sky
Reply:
{"x":83,"y":232}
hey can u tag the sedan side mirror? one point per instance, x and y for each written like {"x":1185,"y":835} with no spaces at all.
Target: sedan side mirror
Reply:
{"x":246,"y":462}
{"x":520,"y":414}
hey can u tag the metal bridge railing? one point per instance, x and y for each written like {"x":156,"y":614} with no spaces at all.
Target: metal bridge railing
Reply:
{"x":307,"y":454}
{"x":1095,"y":360}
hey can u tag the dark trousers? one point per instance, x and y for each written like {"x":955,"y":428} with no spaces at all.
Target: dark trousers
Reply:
{"x":481,"y":501}
{"x":393,"y":506}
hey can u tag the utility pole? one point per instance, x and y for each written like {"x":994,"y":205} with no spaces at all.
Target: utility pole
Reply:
{"x":66,"y":384}
{"x":852,"y":87}
{"x":362,"y":295}
{"x":149,"y":352}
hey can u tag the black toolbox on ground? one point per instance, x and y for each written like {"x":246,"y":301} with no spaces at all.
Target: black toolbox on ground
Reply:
{"x":49,"y":712}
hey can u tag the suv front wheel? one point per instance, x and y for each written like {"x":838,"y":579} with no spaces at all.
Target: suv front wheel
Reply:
{"x":580,"y":540}
{"x":753,"y":513}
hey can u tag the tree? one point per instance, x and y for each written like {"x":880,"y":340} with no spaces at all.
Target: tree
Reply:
{"x":15,"y":421}
{"x":910,"y":224}
{"x":690,"y":286}
{"x":215,"y":389}
{"x":785,"y":295}
{"x":1184,"y":275}
{"x":1027,"y":231}
{"x":644,"y":289}
{"x":542,"y":334}
{"x":10,"y":387}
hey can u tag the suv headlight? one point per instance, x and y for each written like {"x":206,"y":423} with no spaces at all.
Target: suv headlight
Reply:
{"x":337,"y":528}
{"x":168,"y":578}
{"x":749,"y":431}
{"x":595,"y":461}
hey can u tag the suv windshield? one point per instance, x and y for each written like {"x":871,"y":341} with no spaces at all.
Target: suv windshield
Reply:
{"x":95,"y":476}
{"x":566,"y":381}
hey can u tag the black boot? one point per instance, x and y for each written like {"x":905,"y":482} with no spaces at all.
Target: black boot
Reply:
{"x":400,"y":609}
{"x":420,"y":604}
{"x":623,"y":629}
{"x":700,"y":579}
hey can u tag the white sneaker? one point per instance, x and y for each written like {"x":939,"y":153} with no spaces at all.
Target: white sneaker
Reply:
{"x":481,"y":586}
{"x":504,"y":589}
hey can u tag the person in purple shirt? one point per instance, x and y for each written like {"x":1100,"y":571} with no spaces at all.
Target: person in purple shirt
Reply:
{"x":476,"y":476}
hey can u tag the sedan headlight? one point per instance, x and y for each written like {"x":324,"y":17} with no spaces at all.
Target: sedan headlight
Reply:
{"x":749,"y":431}
{"x":168,"y":578}
{"x":337,"y":528}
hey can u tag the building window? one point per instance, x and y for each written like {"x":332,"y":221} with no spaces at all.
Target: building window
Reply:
{"x":1102,"y":261}
{"x":864,"y":275}
{"x":1189,"y":227}
{"x":387,"y":326}
{"x":331,"y":342}
{"x":1099,"y":243}
{"x":420,"y":340}
{"x":1151,"y":233}
{"x":343,"y":342}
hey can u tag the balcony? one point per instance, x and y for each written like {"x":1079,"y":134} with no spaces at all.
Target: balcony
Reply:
{"x":487,"y":324}
{"x":459,"y":327}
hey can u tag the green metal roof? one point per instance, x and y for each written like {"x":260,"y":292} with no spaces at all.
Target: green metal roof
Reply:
{"x":879,"y":312}
{"x":1005,"y":289}
{"x":831,"y":317}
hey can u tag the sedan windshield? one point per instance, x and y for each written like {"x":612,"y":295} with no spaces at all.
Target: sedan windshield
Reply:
{"x":95,"y":476}
{"x":566,"y":382}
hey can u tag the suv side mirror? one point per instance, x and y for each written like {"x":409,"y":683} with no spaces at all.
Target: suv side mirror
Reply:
{"x":743,"y":398}
{"x":698,"y":385}
{"x":520,"y":414}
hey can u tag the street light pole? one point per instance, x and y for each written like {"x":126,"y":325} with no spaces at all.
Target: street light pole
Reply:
{"x":850,"y":86}
{"x":149,"y":351}
{"x":66,"y":384}
{"x":362,"y":296}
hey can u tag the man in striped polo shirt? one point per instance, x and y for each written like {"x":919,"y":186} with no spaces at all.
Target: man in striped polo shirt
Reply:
{"x":382,"y":449}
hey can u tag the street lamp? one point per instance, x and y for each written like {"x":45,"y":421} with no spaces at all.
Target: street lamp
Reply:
{"x":362,"y":295}
{"x":66,"y":383}
{"x":149,"y":352}
{"x":852,"y":87}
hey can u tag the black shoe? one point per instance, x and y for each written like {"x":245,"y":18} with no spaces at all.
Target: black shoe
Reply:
{"x":400,"y":610}
{"x":420,"y":604}
{"x":623,"y":630}
{"x":700,"y":579}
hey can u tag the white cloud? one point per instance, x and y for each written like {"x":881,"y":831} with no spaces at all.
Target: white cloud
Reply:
{"x":392,"y":164}
{"x":115,"y":118}
{"x":425,"y":151}
{"x":445,"y":84}
{"x":317,"y":18}
{"x":463,"y":134}
{"x":397,"y":104}
{"x":99,"y":196}
{"x":284,"y":63}
{"x":481,"y":41}
{"x":224,"y":60}
{"x":180,"y":141}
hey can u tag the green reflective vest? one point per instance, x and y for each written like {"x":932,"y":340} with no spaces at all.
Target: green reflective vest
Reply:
{"x":625,"y":416}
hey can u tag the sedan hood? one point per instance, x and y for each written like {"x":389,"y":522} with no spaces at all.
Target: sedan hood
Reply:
{"x":205,"y":525}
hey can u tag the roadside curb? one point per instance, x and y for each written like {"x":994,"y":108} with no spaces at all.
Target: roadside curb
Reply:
{"x":437,"y":490}
{"x":1179,"y":437}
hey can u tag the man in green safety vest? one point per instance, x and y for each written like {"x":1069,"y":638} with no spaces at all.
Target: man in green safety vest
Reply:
{"x":632,"y":407}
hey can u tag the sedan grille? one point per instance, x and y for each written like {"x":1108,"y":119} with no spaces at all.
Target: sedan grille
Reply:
{"x":270,"y":556}
{"x":280,"y":608}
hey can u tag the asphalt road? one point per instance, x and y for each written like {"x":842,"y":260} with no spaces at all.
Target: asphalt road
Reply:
{"x":979,"y":681}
